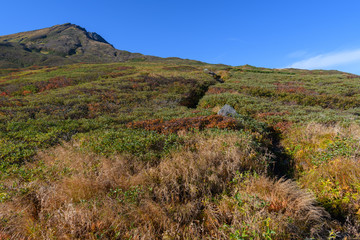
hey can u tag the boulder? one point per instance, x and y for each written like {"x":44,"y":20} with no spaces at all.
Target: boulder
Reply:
{"x":227,"y":111}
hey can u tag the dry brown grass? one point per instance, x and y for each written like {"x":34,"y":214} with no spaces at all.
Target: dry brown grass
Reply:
{"x":313,"y":133}
{"x":262,"y":208}
{"x":192,"y":174}
{"x":70,"y":202}
{"x":190,"y":194}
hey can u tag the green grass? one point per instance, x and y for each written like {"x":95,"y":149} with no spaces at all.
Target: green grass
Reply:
{"x":50,"y":117}
{"x":41,"y":107}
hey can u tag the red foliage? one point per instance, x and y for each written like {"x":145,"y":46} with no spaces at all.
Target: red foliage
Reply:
{"x":283,"y":126}
{"x":109,"y":96}
{"x":35,"y":67}
{"x":293,"y":87}
{"x":136,"y":86}
{"x":26,"y":92}
{"x":11,"y":76}
{"x":108,"y":103}
{"x":122,"y":68}
{"x":352,"y":76}
{"x":94,"y":108}
{"x":52,"y":83}
{"x":6,"y":102}
{"x":4,"y":236}
{"x":175,"y":125}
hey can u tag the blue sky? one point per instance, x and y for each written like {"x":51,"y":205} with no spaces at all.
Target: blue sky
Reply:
{"x":315,"y":34}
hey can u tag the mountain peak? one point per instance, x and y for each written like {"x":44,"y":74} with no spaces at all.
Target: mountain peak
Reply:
{"x":59,"y":44}
{"x":91,"y":35}
{"x":72,"y":30}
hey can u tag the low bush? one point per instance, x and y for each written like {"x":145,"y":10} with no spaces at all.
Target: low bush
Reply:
{"x":337,"y":187}
{"x":326,"y":159}
{"x":144,"y":144}
{"x":185,"y":124}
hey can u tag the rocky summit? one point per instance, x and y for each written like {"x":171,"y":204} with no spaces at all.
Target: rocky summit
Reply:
{"x":58,"y":45}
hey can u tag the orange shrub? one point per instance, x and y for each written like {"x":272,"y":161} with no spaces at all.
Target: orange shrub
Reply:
{"x":26,"y":92}
{"x":293,"y":87}
{"x":122,"y":68}
{"x":283,"y":126}
{"x":175,"y":125}
{"x":52,"y":83}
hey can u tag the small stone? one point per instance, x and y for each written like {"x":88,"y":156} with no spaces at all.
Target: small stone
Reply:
{"x":227,"y":111}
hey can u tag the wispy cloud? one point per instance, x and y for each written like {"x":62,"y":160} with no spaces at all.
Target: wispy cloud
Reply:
{"x":328,"y":60}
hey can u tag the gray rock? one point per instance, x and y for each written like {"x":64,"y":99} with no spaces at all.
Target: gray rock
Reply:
{"x":227,"y":111}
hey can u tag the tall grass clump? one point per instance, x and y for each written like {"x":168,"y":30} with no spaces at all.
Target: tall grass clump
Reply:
{"x":327,"y":161}
{"x":262,"y":208}
{"x":214,"y":185}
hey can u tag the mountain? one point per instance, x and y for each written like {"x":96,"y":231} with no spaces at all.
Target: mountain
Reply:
{"x":58,"y":45}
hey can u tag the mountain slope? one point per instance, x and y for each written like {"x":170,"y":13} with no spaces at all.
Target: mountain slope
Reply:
{"x":129,"y":149}
{"x":136,"y":149}
{"x":60,"y":44}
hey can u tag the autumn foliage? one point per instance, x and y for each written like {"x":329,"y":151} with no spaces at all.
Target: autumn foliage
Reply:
{"x":283,"y":126}
{"x":175,"y":125}
{"x":52,"y":83}
{"x":293,"y":87}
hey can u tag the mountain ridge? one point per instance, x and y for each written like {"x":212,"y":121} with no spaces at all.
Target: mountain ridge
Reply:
{"x":58,"y":45}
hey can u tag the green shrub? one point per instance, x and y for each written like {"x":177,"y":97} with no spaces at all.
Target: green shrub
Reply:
{"x":143,"y":144}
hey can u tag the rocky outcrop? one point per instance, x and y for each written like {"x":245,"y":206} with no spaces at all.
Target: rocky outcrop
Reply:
{"x":227,"y":111}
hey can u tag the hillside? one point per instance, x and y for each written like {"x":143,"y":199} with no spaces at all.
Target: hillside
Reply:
{"x":59,"y":45}
{"x":136,"y":150}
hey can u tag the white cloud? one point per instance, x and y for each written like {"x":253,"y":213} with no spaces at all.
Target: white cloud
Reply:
{"x":328,"y":60}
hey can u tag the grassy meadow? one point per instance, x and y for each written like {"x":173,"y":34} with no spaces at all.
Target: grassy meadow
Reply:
{"x":135,"y":150}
